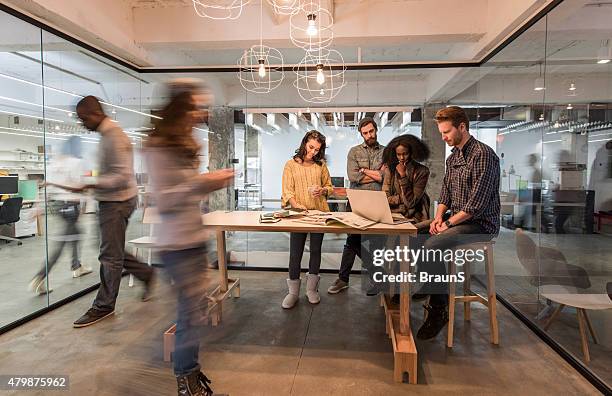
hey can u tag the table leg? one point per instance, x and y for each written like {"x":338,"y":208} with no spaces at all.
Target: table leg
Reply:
{"x":398,"y":327}
{"x":404,"y":292}
{"x":222,"y":259}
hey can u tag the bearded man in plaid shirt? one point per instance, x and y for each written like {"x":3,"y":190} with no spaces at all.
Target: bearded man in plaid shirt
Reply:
{"x":470,"y":192}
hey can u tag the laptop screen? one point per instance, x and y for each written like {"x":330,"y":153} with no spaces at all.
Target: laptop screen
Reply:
{"x":9,"y":184}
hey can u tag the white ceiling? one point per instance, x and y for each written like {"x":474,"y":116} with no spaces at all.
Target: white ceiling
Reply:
{"x":575,"y":32}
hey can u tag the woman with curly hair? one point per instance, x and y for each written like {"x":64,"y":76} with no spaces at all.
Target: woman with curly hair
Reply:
{"x":405,"y":178}
{"x":306,"y":185}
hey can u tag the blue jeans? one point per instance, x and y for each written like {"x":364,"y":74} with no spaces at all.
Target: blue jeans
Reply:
{"x":188,"y":270}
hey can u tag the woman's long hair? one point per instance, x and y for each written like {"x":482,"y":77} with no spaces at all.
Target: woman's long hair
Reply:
{"x":416,"y":148}
{"x":301,"y":152}
{"x":174,"y":130}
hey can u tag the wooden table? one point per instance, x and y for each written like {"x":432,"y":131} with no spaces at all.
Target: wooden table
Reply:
{"x":397,"y":318}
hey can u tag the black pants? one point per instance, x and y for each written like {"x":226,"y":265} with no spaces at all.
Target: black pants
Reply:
{"x":114,"y":218}
{"x":361,"y":246}
{"x":69,"y":212}
{"x":297,"y":241}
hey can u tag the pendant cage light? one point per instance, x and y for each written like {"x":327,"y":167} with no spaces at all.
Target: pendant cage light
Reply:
{"x":219,"y":9}
{"x":285,"y":7}
{"x":320,"y":76}
{"x":539,"y":84}
{"x":261,"y":66}
{"x":261,"y":69}
{"x":311,"y":27}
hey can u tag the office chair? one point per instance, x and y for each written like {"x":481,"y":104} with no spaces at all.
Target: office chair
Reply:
{"x":9,"y":214}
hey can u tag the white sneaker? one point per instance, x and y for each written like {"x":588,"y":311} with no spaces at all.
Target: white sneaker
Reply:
{"x":39,"y":286}
{"x":82,"y":270}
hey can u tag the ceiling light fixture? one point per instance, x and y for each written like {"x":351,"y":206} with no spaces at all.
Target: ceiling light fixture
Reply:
{"x":29,"y":116}
{"x":69,"y":113}
{"x":603,"y":54}
{"x":219,"y":9}
{"x":539,"y":82}
{"x":266,"y":61}
{"x":320,"y":77}
{"x":572,"y":87}
{"x":285,"y":7}
{"x":310,"y":27}
{"x":569,"y":106}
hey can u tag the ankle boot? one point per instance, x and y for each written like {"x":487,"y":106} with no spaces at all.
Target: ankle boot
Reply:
{"x":312,"y":288}
{"x":294,"y":293}
{"x":193,"y":384}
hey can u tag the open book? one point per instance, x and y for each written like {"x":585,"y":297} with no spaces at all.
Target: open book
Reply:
{"x":274,"y":217}
{"x":326,"y":218}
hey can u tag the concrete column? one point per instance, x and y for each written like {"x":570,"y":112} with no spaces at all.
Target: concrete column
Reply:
{"x":253,"y":149}
{"x":221,"y":153}
{"x":436,"y":162}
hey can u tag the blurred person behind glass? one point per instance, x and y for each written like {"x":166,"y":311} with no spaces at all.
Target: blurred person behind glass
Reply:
{"x":173,"y":161}
{"x":64,"y":170}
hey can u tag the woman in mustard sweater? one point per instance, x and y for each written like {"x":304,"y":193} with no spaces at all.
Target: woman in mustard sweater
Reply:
{"x":306,"y":185}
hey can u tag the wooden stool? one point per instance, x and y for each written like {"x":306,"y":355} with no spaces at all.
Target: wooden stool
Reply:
{"x":469,"y":296}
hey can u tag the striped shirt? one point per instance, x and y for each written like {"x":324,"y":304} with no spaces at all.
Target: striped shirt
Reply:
{"x":297,"y":178}
{"x":471,"y":184}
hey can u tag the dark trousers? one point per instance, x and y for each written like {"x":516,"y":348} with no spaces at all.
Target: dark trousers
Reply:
{"x":361,"y":246}
{"x":297,"y":241}
{"x":464,"y":233}
{"x":113,"y":258}
{"x":188,"y":270}
{"x":69,"y":213}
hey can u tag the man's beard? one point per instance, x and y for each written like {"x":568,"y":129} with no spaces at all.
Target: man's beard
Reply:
{"x":371,"y":141}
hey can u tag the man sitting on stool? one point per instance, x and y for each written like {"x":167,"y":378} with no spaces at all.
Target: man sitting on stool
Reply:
{"x":471,"y":191}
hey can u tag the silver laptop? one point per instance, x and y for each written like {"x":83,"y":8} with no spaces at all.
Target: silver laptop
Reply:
{"x":373,"y":205}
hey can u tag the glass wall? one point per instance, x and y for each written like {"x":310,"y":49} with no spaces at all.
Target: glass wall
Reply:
{"x":542,"y":103}
{"x":55,"y":251}
{"x":553,"y":87}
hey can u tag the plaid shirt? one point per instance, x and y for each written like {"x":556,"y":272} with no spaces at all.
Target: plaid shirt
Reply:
{"x":471,"y":184}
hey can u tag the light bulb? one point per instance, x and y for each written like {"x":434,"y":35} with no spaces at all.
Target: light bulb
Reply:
{"x":539,"y":84}
{"x":322,"y":92}
{"x":603,"y":55}
{"x":311,"y":30}
{"x":320,"y":75}
{"x":572,"y":87}
{"x":262,"y":69}
{"x":569,"y":106}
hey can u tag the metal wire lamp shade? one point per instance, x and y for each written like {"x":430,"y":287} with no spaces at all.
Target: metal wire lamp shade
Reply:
{"x":285,"y":7}
{"x":311,"y":27}
{"x":320,"y":76}
{"x":219,"y":9}
{"x":252,"y":62}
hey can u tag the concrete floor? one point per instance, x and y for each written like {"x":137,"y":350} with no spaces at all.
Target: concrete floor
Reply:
{"x":338,"y":347}
{"x":19,"y":263}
